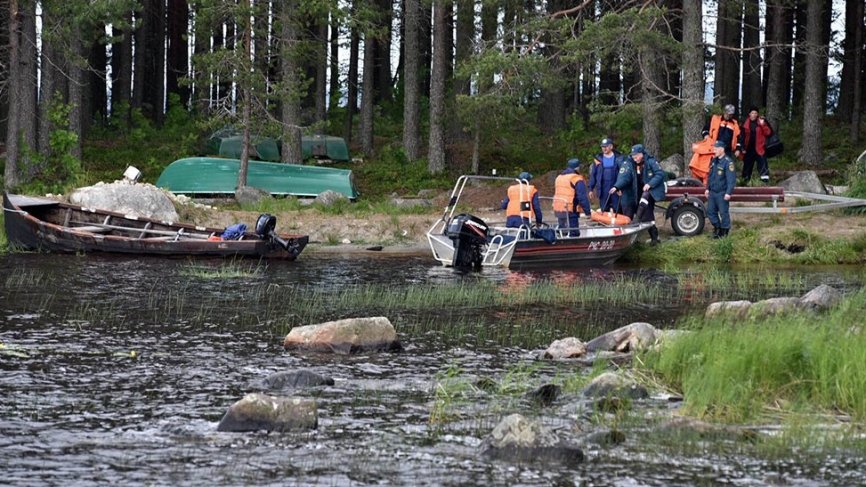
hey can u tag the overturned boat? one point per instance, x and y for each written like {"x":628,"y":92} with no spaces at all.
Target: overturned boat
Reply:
{"x":204,"y":176}
{"x":48,"y":225}
{"x":467,"y":241}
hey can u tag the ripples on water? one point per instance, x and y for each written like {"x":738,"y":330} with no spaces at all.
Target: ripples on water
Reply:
{"x":77,"y":407}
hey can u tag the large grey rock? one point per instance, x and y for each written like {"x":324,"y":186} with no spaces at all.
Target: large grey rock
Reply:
{"x":804,"y":181}
{"x":610,"y":384}
{"x":822,"y":297}
{"x":329,"y":197}
{"x":250,"y":196}
{"x":521,"y":440}
{"x":674,"y":164}
{"x":570,"y":347}
{"x":636,"y":336}
{"x":774,"y":306}
{"x":296,"y":379}
{"x":736,"y":308}
{"x":262,"y":412}
{"x":142,"y":200}
{"x":345,"y":336}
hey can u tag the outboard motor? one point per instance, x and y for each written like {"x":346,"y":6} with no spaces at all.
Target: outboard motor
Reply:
{"x":469,"y":234}
{"x":265,"y":226}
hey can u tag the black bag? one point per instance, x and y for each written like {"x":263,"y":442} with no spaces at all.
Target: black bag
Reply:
{"x":773,"y":146}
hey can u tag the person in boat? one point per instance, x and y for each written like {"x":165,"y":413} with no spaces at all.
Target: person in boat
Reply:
{"x":753,"y":140}
{"x":721,"y":182}
{"x":641,"y":174}
{"x":521,"y":203}
{"x":570,"y":197}
{"x":725,"y":127}
{"x":603,"y":173}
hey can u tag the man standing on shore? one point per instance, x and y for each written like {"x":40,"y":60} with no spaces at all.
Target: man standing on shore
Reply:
{"x":721,"y":181}
{"x":753,"y":140}
{"x":603,"y":173}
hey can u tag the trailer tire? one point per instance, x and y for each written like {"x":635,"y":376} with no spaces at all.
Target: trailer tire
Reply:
{"x":688,"y":221}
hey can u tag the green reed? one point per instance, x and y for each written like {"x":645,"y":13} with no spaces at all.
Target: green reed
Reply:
{"x":742,"y":370}
{"x":228,"y":269}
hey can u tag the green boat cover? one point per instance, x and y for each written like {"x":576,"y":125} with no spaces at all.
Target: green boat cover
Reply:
{"x":325,"y":147}
{"x":264,"y":148}
{"x":212,"y":175}
{"x":227,"y":143}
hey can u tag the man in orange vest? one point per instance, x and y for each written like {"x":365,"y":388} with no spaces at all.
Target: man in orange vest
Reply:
{"x":521,"y":203}
{"x":725,"y":128}
{"x":569,"y":197}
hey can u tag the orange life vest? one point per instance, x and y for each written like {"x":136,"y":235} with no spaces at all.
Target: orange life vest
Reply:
{"x":520,"y":200}
{"x":563,"y":196}
{"x":717,"y":121}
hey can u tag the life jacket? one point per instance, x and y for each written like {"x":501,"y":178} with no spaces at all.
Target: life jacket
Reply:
{"x":717,"y":122}
{"x":520,"y":200}
{"x":563,"y":195}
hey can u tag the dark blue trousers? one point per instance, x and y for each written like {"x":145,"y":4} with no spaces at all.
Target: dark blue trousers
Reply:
{"x":718,"y":210}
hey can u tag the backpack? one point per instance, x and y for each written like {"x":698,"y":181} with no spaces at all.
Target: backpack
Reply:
{"x":773,"y":146}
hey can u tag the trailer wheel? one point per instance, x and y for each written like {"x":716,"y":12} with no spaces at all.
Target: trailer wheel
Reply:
{"x":688,"y":221}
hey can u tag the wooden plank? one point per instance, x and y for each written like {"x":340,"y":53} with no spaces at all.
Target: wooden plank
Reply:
{"x":180,"y":233}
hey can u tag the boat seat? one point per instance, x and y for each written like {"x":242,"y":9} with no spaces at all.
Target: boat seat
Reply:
{"x":90,"y":229}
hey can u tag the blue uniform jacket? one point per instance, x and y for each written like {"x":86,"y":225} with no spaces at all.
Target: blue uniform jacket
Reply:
{"x":722,"y":177}
{"x":628,"y":180}
{"x":601,"y":179}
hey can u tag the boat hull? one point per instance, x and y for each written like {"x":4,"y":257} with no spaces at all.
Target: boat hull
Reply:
{"x":571,"y":251}
{"x":37,"y":224}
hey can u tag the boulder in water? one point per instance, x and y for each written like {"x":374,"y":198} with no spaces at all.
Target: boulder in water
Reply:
{"x":345,"y":336}
{"x":262,"y":412}
{"x":296,"y":379}
{"x":636,"y":336}
{"x":822,"y":297}
{"x":521,"y":440}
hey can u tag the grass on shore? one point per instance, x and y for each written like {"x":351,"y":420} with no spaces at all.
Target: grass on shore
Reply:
{"x":802,"y":363}
{"x":747,"y":245}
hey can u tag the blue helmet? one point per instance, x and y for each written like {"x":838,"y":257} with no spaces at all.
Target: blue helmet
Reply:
{"x":525,"y":175}
{"x":573,"y":163}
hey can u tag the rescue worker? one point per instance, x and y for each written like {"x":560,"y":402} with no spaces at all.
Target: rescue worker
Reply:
{"x":570,"y":196}
{"x":643,"y":174}
{"x":753,"y":140}
{"x":521,"y":202}
{"x":603,"y":173}
{"x":720,"y":186}
{"x":725,"y":128}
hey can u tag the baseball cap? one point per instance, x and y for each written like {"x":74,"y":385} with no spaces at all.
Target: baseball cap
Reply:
{"x":573,"y":163}
{"x":606,"y":141}
{"x":637,"y":149}
{"x":720,"y":143}
{"x":525,"y":175}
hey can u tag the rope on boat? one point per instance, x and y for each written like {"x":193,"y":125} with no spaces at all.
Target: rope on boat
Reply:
{"x":10,"y":210}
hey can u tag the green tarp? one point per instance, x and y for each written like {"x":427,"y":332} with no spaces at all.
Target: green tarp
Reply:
{"x":212,"y":175}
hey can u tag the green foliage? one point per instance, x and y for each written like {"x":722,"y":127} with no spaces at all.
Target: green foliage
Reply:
{"x":391,"y":172}
{"x":60,"y":169}
{"x":4,"y":243}
{"x":736,"y":371}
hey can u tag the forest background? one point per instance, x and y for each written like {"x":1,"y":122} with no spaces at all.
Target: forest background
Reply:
{"x":423,"y":89}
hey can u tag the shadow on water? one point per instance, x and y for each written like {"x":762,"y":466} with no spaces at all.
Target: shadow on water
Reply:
{"x":118,"y":369}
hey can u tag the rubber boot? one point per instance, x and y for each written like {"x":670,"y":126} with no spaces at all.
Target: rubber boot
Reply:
{"x":654,"y":235}
{"x":716,"y":232}
{"x":724,"y":232}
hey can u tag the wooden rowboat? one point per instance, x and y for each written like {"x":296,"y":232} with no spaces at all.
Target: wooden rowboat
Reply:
{"x":48,"y":225}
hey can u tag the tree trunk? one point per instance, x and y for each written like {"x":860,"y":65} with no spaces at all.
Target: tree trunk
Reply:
{"x":77,"y":76}
{"x":95,"y":102}
{"x":352,"y":80}
{"x":693,"y":76}
{"x":4,"y":61}
{"x":247,"y":101}
{"x":551,"y":112}
{"x":727,"y":72}
{"x":799,"y":67}
{"x":776,"y":93}
{"x":813,"y":102}
{"x":436,"y":152}
{"x":178,"y":58}
{"x":382,"y":77}
{"x":411,"y":87}
{"x":202,"y":86}
{"x":321,"y":60}
{"x":426,"y":46}
{"x":465,"y":39}
{"x":48,"y":82}
{"x":139,"y":61}
{"x":12,"y":174}
{"x":334,"y":80}
{"x":154,"y":59}
{"x":368,"y":95}
{"x":121,"y":66}
{"x":751,"y":82}
{"x":291,"y":97}
{"x":857,"y":102}
{"x":29,"y":90}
